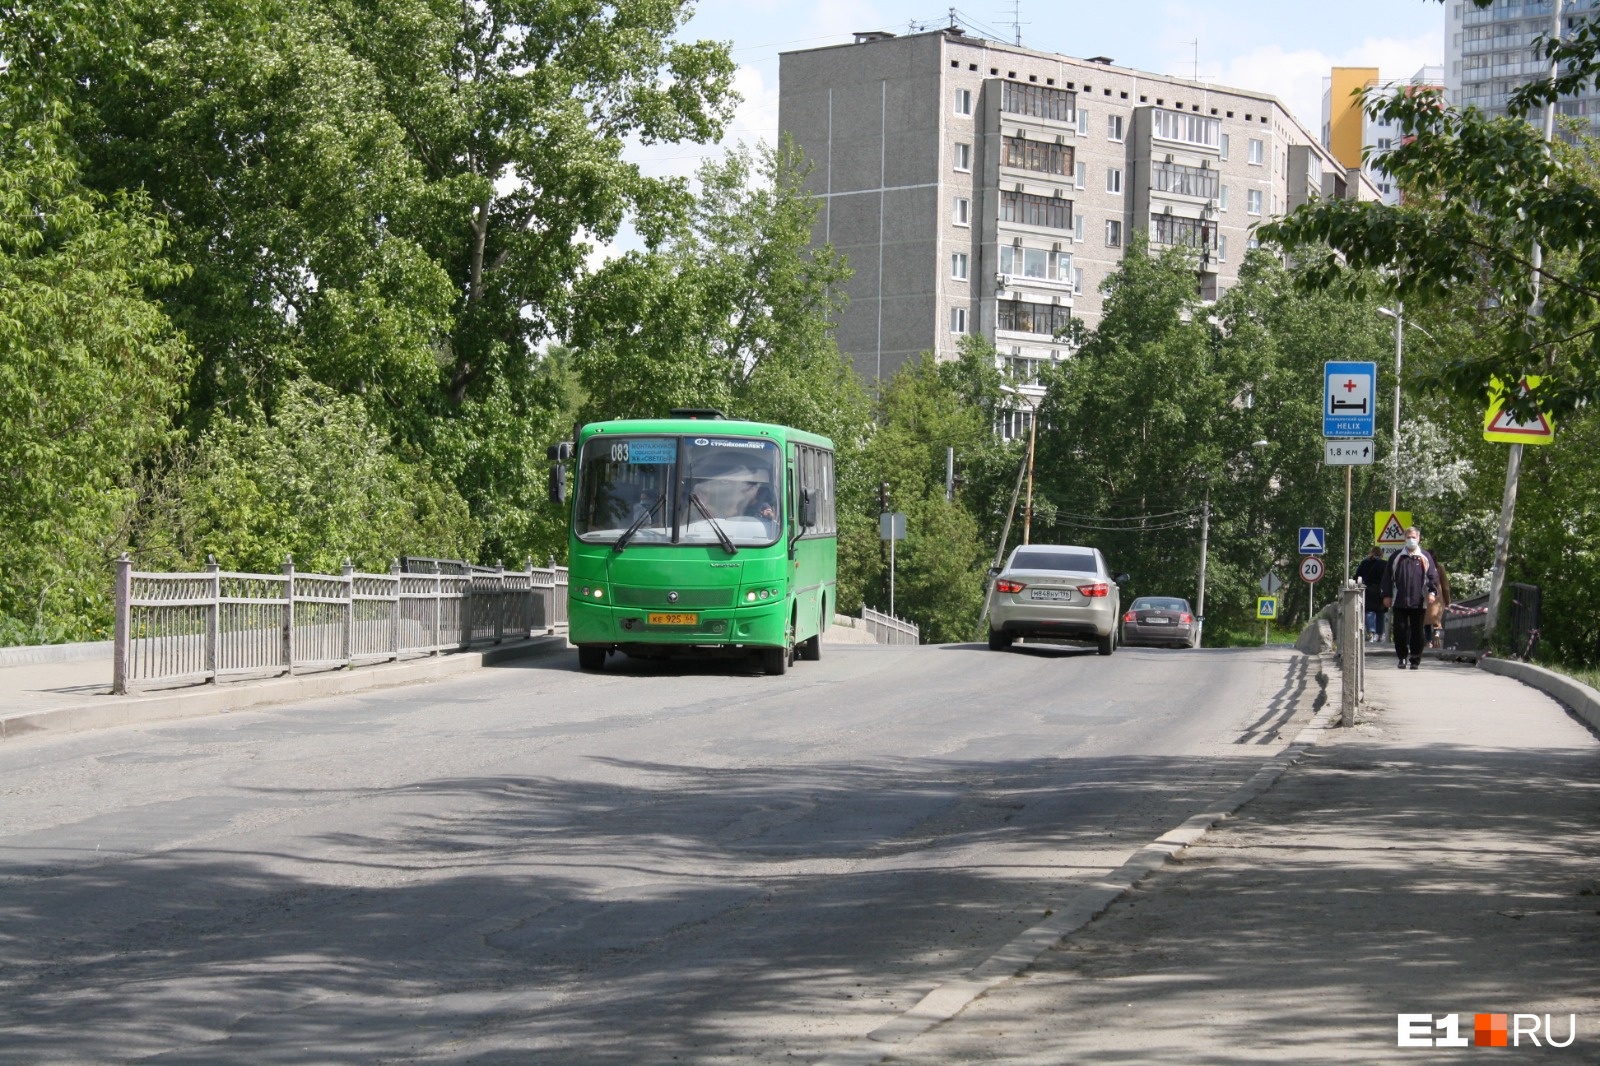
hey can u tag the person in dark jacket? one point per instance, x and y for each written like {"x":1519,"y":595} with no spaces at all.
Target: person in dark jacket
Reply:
{"x":1370,"y":574}
{"x":1410,"y":584}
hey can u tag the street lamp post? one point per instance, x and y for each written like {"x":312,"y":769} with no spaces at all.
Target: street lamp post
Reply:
{"x":1399,"y":316}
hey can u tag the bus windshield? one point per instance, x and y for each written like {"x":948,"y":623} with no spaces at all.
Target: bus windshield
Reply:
{"x":680,"y":490}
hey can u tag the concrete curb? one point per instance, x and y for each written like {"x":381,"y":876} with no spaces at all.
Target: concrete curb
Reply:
{"x":42,"y":654}
{"x":99,"y":712}
{"x":1085,"y":903}
{"x":1582,"y":700}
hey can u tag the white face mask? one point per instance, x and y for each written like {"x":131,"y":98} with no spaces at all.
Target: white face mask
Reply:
{"x":1411,"y":543}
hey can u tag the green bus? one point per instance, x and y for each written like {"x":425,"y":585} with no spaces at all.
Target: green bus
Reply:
{"x":698,"y":534}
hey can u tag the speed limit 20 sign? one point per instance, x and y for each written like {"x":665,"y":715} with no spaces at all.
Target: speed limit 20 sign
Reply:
{"x":1311,"y":568}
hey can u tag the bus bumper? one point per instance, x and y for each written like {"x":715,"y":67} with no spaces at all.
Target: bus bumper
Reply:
{"x":761,"y":625}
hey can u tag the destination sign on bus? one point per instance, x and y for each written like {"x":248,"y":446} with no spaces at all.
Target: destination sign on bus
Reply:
{"x":649,"y":452}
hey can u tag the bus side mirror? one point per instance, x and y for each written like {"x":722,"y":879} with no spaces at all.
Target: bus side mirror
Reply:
{"x":558,"y":454}
{"x":808,"y":509}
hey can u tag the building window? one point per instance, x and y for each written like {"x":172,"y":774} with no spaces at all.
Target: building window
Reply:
{"x":1224,"y":147}
{"x":963,"y":101}
{"x":1033,"y":262}
{"x":1077,"y":229}
{"x":1037,"y":156}
{"x":1018,"y":316}
{"x":1113,"y":180}
{"x":1031,"y":210}
{"x":963,"y":157}
{"x":1252,"y":243}
{"x":1036,"y":101}
{"x":1083,"y":123}
{"x":1077,"y":281}
{"x":958,"y":266}
{"x":1114,"y":127}
{"x":1222,"y":198}
{"x":1113,"y":233}
{"x":963,"y":211}
{"x":1255,"y":152}
{"x":1252,"y":202}
{"x":958,"y":320}
{"x":1181,"y":126}
{"x":1183,"y":180}
{"x":1222,"y":249}
{"x":1081,"y":178}
{"x":1189,"y":232}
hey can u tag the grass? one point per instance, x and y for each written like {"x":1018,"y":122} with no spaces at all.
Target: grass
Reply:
{"x":1588,"y":675}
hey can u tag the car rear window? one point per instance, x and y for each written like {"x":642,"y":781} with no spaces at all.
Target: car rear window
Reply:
{"x":1077,"y":562}
{"x":1158,"y":604}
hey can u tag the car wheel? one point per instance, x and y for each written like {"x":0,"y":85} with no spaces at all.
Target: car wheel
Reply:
{"x":591,"y":657}
{"x":1108,"y":643}
{"x":999,"y":641}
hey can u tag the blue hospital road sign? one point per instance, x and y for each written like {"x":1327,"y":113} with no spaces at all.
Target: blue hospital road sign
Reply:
{"x":1349,"y":395}
{"x":1313,"y":540}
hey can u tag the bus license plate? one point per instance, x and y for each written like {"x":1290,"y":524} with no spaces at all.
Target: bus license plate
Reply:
{"x":674,"y":619}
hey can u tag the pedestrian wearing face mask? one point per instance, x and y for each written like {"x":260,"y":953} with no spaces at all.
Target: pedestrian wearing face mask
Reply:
{"x":1410,"y":585}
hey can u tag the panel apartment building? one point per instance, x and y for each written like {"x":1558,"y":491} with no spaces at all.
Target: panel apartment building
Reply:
{"x":1490,"y":52}
{"x":983,"y":187}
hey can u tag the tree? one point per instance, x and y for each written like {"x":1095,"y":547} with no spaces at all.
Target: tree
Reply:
{"x":91,"y":375}
{"x":1480,"y":192}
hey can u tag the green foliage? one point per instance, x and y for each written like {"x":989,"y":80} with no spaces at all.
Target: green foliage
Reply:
{"x":315,"y":479}
{"x":91,"y":372}
{"x":927,"y":407}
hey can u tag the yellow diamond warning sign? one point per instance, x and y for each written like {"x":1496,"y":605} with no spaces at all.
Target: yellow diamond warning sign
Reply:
{"x":1500,"y":426}
{"x":1389,"y":527}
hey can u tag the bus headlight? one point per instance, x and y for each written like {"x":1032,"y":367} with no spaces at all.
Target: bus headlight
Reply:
{"x":765,"y":593}
{"x":750,"y":597}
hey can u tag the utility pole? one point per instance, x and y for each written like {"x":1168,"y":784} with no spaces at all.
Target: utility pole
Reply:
{"x":1205,"y":534}
{"x":1394,"y":441}
{"x":1508,"y":502}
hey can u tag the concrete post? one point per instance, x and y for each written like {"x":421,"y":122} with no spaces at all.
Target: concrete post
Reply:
{"x":122,"y":593}
{"x":1352,"y":653}
{"x":346,"y":646}
{"x":213,"y":620}
{"x":288,"y":615}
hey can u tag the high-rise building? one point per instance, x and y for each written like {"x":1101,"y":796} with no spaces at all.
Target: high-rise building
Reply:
{"x":1490,"y":52}
{"x":1355,"y":138}
{"x":982,"y":187}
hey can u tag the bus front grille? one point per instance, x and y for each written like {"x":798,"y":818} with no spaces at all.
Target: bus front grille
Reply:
{"x":625,"y":596}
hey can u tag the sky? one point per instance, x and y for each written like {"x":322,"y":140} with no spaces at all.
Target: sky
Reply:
{"x":1285,"y":47}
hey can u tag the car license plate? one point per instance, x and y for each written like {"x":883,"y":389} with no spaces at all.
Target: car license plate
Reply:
{"x":1156,"y":621}
{"x":673,"y":619}
{"x":1049,"y":594}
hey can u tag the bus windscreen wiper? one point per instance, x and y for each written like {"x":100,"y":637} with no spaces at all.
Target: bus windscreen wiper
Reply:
{"x":722,"y":534}
{"x":627,"y":534}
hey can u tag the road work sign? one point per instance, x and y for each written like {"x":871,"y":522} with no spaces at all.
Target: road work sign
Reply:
{"x":1389,"y":528}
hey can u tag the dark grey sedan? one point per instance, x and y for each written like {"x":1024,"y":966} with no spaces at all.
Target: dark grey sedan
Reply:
{"x":1159,"y":620}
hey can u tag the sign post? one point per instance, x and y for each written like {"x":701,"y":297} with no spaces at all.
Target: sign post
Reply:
{"x":1267,"y":610}
{"x":1348,"y":410}
{"x":891,"y":527}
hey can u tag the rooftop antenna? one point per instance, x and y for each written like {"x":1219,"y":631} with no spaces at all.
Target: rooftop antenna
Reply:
{"x":1196,"y":43}
{"x":1016,"y":21}
{"x":953,"y":19}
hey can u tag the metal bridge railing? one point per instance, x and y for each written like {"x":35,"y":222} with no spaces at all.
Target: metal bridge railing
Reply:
{"x":887,"y":629}
{"x":217,"y":624}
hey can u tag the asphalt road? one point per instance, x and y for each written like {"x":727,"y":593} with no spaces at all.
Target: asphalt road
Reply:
{"x":689,"y":863}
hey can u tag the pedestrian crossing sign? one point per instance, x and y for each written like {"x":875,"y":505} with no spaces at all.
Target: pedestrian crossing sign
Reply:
{"x":1266,"y":607}
{"x":1389,"y":528}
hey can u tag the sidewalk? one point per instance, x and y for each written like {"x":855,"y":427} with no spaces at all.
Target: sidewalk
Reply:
{"x":1442,"y":857}
{"x":73,"y":692}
